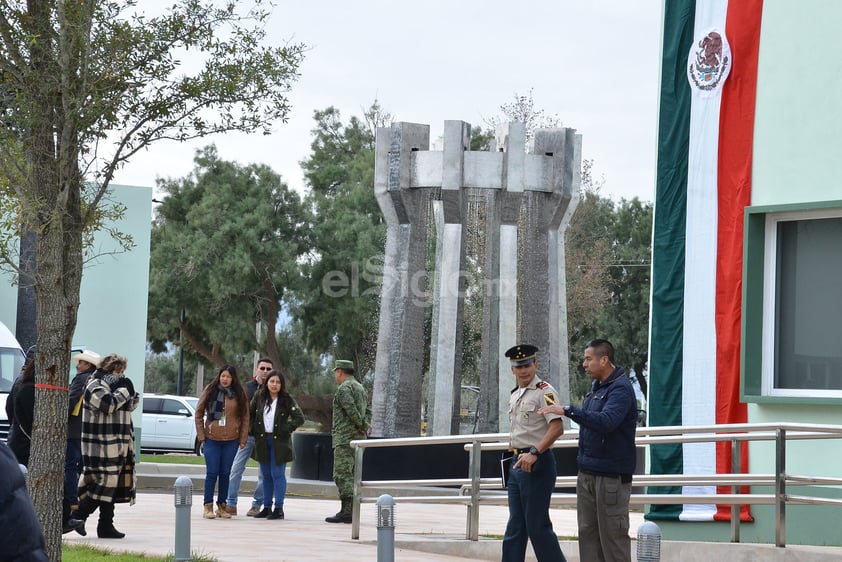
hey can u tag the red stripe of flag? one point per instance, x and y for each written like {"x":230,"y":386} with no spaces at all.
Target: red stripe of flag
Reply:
{"x":736,"y":131}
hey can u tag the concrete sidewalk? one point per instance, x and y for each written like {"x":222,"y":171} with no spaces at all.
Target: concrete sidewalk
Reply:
{"x":423,"y":532}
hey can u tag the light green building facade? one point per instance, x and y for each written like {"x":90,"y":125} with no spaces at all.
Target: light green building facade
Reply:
{"x":114,"y":291}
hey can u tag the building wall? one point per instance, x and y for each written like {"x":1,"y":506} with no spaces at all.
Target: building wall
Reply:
{"x":113,"y":295}
{"x":797,"y":142}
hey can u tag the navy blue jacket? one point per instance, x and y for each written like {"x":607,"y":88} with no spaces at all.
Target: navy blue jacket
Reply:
{"x":77,"y":392}
{"x":607,"y":422}
{"x":20,"y":532}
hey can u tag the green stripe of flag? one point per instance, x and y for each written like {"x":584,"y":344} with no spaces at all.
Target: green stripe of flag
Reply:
{"x":668,"y":245}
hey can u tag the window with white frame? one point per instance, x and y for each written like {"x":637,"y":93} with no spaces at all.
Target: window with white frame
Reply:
{"x":802,"y":304}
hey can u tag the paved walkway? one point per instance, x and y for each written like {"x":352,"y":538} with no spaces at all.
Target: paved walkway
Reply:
{"x":303,"y":535}
{"x":423,"y":532}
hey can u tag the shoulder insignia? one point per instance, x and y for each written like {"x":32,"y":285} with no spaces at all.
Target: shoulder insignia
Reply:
{"x":549,"y":398}
{"x":542,"y":384}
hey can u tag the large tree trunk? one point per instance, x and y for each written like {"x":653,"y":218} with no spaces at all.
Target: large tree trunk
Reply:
{"x":54,"y":181}
{"x":59,"y":256}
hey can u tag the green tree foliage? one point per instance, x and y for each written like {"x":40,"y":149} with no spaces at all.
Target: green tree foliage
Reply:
{"x":85,"y":85}
{"x":161,"y":373}
{"x":608,"y":247}
{"x":339,"y":308}
{"x":225,"y":247}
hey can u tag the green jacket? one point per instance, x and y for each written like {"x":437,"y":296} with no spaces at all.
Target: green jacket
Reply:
{"x":351,"y":412}
{"x":285,"y":424}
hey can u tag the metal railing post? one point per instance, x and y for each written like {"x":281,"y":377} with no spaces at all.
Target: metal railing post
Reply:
{"x":474,"y":466}
{"x":780,"y":487}
{"x":735,"y":508}
{"x":355,"y":504}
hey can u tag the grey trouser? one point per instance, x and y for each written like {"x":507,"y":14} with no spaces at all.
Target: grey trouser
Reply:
{"x":602,"y":506}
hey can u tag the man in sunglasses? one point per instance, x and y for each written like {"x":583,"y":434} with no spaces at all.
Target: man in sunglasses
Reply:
{"x":264,"y":365}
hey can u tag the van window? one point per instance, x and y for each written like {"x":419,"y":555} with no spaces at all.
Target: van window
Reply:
{"x":11,"y":362}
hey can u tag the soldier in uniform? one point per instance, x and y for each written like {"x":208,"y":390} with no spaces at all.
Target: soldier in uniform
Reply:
{"x":351,"y":419}
{"x":533,"y":470}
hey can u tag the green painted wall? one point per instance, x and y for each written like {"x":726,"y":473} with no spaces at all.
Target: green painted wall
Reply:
{"x":796,"y":140}
{"x":115,"y":286}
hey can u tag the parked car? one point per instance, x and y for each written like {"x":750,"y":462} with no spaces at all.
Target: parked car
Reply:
{"x":168,"y":424}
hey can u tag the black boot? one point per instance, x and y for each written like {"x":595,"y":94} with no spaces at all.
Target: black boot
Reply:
{"x":105,"y":528}
{"x":344,"y":514}
{"x":69,"y":523}
{"x":81,"y":513}
{"x":277,"y":513}
{"x":264,"y":513}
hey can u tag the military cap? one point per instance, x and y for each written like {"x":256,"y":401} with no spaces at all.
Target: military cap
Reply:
{"x":522,"y":354}
{"x":344,"y":365}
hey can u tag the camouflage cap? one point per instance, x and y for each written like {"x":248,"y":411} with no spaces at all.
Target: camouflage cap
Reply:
{"x":344,"y":365}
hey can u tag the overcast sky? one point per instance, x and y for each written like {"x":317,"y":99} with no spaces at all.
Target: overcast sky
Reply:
{"x":594,"y":64}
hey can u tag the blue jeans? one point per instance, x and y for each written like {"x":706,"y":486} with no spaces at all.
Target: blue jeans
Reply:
{"x":237,"y":471}
{"x":529,"y":513}
{"x":274,"y":478}
{"x":219,"y":456}
{"x":72,"y":471}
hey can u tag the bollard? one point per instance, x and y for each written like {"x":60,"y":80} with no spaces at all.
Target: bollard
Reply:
{"x":385,"y":528}
{"x":183,"y":500}
{"x":648,"y":542}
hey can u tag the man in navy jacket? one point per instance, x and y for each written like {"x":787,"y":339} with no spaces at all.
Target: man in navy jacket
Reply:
{"x":607,"y":422}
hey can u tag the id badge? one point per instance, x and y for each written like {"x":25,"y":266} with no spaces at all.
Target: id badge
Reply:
{"x":222,"y":421}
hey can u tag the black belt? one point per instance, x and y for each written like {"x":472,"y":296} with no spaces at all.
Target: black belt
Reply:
{"x":624,"y":478}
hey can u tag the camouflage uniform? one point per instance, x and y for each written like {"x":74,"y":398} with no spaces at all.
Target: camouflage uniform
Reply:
{"x":351,"y":419}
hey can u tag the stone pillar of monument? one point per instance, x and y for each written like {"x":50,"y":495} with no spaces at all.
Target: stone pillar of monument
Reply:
{"x":445,"y":378}
{"x":565,"y":146}
{"x":396,"y":403}
{"x":511,"y":140}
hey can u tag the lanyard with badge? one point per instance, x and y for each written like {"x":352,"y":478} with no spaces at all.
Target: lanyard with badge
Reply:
{"x":222,"y":419}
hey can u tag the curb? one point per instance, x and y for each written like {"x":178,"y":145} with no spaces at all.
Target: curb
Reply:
{"x":161,"y":477}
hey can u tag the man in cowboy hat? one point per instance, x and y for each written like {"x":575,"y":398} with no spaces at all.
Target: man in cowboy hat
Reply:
{"x":86,"y":363}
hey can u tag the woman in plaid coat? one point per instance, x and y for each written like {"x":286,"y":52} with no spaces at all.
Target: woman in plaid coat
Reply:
{"x":108,"y":447}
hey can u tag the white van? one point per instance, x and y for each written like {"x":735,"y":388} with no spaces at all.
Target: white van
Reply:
{"x":11,"y":362}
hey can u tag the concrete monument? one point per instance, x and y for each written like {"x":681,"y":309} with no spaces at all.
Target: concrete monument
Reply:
{"x":528,"y":200}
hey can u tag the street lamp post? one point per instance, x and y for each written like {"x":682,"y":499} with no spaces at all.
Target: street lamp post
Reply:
{"x":180,"y":380}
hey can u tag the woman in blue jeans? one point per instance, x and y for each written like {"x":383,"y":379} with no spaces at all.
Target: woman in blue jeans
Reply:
{"x":274,"y":416}
{"x":222,"y":422}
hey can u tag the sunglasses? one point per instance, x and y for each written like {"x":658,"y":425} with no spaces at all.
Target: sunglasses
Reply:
{"x":264,"y":368}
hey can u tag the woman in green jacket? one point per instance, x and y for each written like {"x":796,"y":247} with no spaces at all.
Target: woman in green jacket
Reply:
{"x":274,"y":416}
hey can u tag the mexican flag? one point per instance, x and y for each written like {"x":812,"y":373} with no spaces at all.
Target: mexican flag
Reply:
{"x":705,"y":129}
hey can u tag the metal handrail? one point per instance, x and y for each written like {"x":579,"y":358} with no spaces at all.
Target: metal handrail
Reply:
{"x":475,"y":491}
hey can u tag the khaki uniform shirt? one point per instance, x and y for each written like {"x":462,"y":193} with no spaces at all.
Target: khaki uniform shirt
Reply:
{"x":527,"y":426}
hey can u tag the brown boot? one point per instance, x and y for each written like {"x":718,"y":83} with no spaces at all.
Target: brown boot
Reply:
{"x":209,"y":514}
{"x":222,"y":511}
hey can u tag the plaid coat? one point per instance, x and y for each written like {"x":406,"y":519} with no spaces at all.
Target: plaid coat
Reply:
{"x":108,"y":448}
